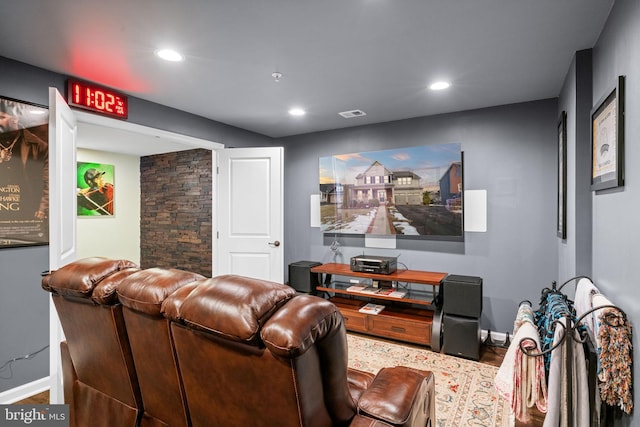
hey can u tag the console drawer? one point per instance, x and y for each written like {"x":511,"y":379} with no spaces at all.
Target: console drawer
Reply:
{"x":394,"y":322}
{"x":392,"y":327}
{"x":354,"y":320}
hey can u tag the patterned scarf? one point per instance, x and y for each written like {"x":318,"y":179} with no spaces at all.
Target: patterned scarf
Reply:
{"x":553,"y":306}
{"x":614,"y":337}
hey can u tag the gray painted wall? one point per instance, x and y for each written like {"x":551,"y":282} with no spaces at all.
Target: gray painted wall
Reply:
{"x":510,"y":151}
{"x":24,"y":309}
{"x":583,"y":209}
{"x":574,"y":253}
{"x":24,"y":315}
{"x":616,"y":228}
{"x":31,"y":84}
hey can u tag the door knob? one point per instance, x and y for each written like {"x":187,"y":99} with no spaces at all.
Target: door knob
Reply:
{"x":274,"y":244}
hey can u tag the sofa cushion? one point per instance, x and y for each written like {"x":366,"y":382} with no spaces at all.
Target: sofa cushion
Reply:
{"x":78,"y":279}
{"x":105,"y":292}
{"x":171,"y":306}
{"x":299,"y":324}
{"x":234,"y":307}
{"x":146,"y":290}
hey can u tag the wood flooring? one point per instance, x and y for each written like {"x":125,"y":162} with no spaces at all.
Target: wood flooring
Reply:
{"x":490,"y":355}
{"x":36,"y":399}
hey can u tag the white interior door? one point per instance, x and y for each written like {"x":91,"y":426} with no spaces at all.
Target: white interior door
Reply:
{"x":250,"y":213}
{"x":62,"y":217}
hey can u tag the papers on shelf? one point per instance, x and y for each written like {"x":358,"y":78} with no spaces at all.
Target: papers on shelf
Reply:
{"x":371,"y":308}
{"x":390,"y":292}
{"x":398,"y":294}
{"x":387,"y":292}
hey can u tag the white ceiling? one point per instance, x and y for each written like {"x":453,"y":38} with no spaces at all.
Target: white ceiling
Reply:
{"x":335,"y":55}
{"x":117,"y":136}
{"x":113,"y":140}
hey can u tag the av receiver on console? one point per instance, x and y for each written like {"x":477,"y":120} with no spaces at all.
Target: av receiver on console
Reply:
{"x":374,"y":264}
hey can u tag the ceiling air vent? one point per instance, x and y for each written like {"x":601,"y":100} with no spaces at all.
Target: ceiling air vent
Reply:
{"x":352,"y":113}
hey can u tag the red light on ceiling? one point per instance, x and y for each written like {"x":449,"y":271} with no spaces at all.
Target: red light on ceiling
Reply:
{"x":97,"y":99}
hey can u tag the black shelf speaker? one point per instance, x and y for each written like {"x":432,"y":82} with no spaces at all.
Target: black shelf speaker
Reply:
{"x":461,"y":336}
{"x":462,"y":295}
{"x":302,"y":279}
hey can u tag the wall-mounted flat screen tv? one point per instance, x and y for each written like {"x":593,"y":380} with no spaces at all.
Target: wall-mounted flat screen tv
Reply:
{"x":413,"y":192}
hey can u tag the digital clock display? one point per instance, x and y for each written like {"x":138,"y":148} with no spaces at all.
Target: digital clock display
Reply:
{"x":97,"y":99}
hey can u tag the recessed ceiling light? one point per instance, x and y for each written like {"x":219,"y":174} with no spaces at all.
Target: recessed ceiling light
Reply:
{"x":439,"y":85}
{"x":169,"y":55}
{"x":297,"y":112}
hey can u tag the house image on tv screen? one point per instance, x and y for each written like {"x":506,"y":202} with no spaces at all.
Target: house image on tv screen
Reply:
{"x":412,"y":192}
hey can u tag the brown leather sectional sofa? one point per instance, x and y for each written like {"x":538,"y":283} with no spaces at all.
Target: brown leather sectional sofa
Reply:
{"x":165,"y":347}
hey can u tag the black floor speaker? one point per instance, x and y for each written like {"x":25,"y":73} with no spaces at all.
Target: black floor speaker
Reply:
{"x":462,"y":295}
{"x":302,"y":279}
{"x":461,"y":336}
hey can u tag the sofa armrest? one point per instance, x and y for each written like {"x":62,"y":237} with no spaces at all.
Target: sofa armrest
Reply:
{"x":401,"y":397}
{"x":358,"y":382}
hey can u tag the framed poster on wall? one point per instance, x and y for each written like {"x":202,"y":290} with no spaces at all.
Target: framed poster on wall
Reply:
{"x":562,"y":176}
{"x":95,"y":192}
{"x":24,"y":173}
{"x":607,"y":139}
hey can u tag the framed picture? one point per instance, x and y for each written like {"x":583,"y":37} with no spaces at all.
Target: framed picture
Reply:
{"x":562,"y":176}
{"x":607,"y":139}
{"x":24,"y":173}
{"x":95,"y":189}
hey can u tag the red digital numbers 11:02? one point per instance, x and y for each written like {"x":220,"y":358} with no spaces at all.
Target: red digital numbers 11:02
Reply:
{"x":97,"y":99}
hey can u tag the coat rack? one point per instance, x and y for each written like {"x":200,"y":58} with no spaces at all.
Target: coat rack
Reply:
{"x":573,"y":327}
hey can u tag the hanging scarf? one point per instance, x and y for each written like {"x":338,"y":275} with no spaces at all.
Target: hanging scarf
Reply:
{"x":525,"y":314}
{"x":554,"y":306}
{"x":615,"y":350}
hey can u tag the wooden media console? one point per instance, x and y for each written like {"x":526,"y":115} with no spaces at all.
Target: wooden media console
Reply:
{"x":408,"y":313}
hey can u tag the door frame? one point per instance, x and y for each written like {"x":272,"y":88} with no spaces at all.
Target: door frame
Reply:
{"x":181,"y":139}
{"x":178,"y":138}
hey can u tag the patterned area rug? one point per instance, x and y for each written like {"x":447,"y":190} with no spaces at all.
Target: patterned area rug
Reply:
{"x":465,"y":395}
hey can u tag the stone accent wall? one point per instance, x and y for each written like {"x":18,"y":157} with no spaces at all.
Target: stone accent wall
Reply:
{"x":176,"y":211}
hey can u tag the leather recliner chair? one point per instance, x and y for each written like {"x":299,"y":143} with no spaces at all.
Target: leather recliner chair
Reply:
{"x":252,"y":353}
{"x":99,"y":377}
{"x":141,"y":295}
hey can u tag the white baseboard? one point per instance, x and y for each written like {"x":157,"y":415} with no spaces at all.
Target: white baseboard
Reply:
{"x":496,"y":337}
{"x":22,"y":392}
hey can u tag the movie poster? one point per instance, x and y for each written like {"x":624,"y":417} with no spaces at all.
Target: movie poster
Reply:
{"x":24,"y":174}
